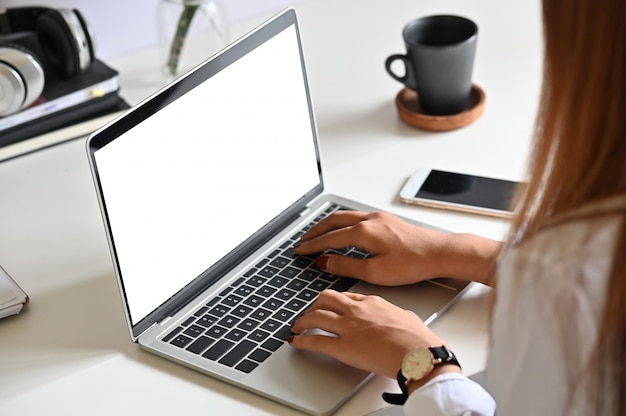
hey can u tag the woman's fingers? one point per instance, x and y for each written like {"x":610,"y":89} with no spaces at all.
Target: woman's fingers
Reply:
{"x":326,"y":312}
{"x":331,"y":300}
{"x":337,"y":220}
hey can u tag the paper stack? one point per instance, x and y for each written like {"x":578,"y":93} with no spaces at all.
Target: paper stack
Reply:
{"x":12,"y":297}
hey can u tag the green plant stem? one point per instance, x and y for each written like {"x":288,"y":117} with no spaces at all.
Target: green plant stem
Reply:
{"x":184,"y":22}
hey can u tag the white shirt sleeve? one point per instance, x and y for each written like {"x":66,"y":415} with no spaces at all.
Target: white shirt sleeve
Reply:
{"x":450,"y":394}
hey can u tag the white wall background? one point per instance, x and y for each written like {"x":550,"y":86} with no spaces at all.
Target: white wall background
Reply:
{"x":124,"y":26}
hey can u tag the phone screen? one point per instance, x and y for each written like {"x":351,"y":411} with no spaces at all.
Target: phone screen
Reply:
{"x":468,"y":190}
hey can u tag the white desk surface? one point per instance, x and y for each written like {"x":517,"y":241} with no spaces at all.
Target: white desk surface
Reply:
{"x":70,"y":351}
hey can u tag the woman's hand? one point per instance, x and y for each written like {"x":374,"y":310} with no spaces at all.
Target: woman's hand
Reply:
{"x":401,"y":253}
{"x":370,"y":333}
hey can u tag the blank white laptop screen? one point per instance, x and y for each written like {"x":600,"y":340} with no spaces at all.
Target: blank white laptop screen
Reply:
{"x":168,"y":230}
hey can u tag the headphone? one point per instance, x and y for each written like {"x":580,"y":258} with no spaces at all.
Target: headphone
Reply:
{"x":67,"y":44}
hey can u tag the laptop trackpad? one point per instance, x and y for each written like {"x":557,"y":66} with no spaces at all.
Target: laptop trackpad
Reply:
{"x":307,"y":380}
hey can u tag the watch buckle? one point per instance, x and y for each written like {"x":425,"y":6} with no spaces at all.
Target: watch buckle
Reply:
{"x":447,"y":351}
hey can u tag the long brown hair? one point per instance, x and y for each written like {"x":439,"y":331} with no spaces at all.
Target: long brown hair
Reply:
{"x":580,"y":154}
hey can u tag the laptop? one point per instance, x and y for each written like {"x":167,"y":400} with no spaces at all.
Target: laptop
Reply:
{"x":204,"y":189}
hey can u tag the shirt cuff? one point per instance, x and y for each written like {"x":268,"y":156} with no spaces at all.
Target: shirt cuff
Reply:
{"x":450,"y":394}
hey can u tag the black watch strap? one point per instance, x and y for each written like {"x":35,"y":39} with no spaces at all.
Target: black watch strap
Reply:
{"x":443,"y":353}
{"x":398,"y":398}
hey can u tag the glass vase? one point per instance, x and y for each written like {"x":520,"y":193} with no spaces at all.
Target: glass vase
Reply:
{"x":189,"y":31}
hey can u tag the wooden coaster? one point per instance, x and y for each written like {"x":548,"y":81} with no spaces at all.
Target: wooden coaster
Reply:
{"x":410,"y":111}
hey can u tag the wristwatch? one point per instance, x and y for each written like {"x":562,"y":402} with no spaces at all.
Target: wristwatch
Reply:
{"x":417,"y":364}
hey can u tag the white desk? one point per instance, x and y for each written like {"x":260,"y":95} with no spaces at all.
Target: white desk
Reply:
{"x":70,"y":351}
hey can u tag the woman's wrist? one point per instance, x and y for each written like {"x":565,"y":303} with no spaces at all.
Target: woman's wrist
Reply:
{"x":470,"y":257}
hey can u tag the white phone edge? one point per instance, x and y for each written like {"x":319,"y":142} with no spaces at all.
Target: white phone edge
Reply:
{"x":416,"y":180}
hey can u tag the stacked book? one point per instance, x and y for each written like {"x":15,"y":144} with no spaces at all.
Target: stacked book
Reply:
{"x":12,"y":297}
{"x":90,"y":94}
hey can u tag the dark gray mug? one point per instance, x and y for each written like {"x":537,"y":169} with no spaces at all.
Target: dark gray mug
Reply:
{"x":438,"y":62}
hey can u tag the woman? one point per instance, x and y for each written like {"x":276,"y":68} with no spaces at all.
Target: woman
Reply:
{"x":558,"y":341}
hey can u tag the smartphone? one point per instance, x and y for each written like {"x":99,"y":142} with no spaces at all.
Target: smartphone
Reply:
{"x":460,"y":192}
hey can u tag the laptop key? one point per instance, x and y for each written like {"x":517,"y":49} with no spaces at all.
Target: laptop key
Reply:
{"x":228,"y":321}
{"x":284,"y":333}
{"x":261,"y":263}
{"x":301,"y":262}
{"x":343,"y":284}
{"x":248,"y":324}
{"x":259,"y":355}
{"x":247,"y":366}
{"x":266,"y":291}
{"x":297,"y":284}
{"x":216,"y":331}
{"x":273,"y":304}
{"x":238,"y":353}
{"x":172,"y":334}
{"x":278,"y":281}
{"x":238,"y":282}
{"x":272,"y":344}
{"x":231,"y":300}
{"x":283,"y":315}
{"x":236,"y":334}
{"x":241,"y":311}
{"x":309,"y":275}
{"x":189,"y":321}
{"x":213,"y":301}
{"x":357,"y":254}
{"x":194,"y":330}
{"x":268,"y":271}
{"x":219,"y":349}
{"x":328,"y":277}
{"x":319,"y":285}
{"x":201,"y":311}
{"x":206,"y":320}
{"x":253,"y":300}
{"x":271,"y":325}
{"x":259,"y":335}
{"x":289,"y":272}
{"x":285,"y":294}
{"x":201,"y":344}
{"x":181,"y":341}
{"x":219,"y":311}
{"x":244,"y":290}
{"x":307,"y":295}
{"x":280,"y":262}
{"x":260,"y":314}
{"x":295,"y":304}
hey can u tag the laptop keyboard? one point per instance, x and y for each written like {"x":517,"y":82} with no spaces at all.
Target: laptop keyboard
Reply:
{"x":251,"y":318}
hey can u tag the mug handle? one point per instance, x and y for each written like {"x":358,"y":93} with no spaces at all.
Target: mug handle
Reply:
{"x":409,"y":77}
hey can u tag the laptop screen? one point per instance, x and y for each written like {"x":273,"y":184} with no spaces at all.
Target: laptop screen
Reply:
{"x":209,"y":168}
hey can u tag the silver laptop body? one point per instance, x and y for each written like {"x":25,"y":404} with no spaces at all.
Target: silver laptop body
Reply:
{"x":198,"y":185}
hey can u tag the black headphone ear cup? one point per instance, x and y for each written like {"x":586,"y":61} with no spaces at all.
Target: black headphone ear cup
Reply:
{"x":21,"y":78}
{"x":90,"y":36}
{"x":57,"y":43}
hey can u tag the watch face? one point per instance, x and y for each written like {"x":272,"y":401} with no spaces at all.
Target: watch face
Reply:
{"x":417,"y":363}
